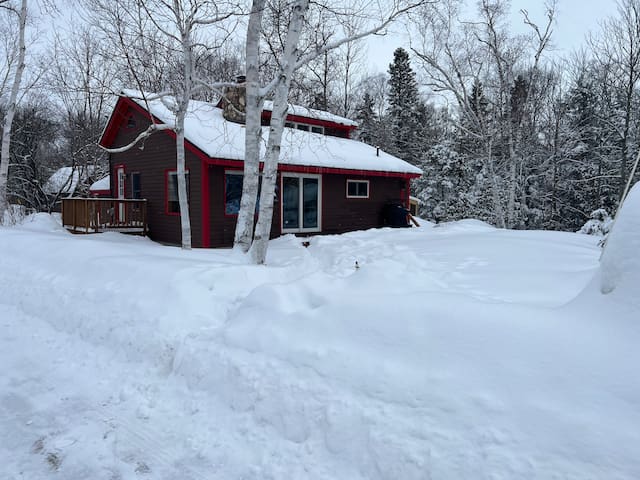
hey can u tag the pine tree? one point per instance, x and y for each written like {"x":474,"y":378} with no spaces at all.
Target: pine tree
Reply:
{"x":478,"y":102}
{"x":367,"y":121}
{"x":403,"y":108}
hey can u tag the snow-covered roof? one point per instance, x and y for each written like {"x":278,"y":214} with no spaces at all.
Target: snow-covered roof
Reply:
{"x":64,"y":180}
{"x":102,"y":184}
{"x":312,"y":113}
{"x":218,"y":138}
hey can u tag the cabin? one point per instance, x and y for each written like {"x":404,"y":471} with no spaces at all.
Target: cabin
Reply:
{"x":327,"y":182}
{"x":68,"y":182}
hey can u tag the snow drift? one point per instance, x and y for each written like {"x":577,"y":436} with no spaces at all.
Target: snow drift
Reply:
{"x":620,"y":264}
{"x":461,"y":351}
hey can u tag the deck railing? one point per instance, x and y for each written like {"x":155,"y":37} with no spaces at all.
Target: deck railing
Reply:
{"x":94,"y":215}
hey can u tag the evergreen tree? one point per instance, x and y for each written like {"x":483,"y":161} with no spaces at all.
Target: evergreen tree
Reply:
{"x":519,"y":93}
{"x":583,"y":176}
{"x":447,"y":190}
{"x":478,"y":102}
{"x":403,"y":108}
{"x":367,"y":121}
{"x":474,"y":125}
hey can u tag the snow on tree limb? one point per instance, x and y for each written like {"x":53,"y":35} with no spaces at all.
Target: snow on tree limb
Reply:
{"x":394,"y":15}
{"x":154,"y":127}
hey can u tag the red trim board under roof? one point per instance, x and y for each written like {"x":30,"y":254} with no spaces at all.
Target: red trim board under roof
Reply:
{"x":285,"y":167}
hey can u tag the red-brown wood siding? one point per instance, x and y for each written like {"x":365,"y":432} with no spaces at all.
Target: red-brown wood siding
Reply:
{"x":222,"y":227}
{"x":152,"y":162}
{"x":341,"y":214}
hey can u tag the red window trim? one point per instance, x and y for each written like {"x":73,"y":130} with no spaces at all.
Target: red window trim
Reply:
{"x":166,"y":191}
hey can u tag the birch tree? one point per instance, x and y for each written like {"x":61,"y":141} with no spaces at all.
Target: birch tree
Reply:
{"x":618,"y":47}
{"x":175,"y":26}
{"x":19,"y":54}
{"x":457,"y":55}
{"x":80,"y":80}
{"x":289,"y":56}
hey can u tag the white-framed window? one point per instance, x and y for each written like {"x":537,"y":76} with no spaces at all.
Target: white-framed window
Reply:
{"x":305,"y":127}
{"x":301,"y":206}
{"x":357,"y":188}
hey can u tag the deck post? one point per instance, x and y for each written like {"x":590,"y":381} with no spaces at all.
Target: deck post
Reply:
{"x":144,"y":218}
{"x":86,"y":216}
{"x":75,"y":223}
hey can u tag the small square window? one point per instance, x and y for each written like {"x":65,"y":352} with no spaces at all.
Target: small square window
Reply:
{"x":357,"y":188}
{"x":289,"y":125}
{"x":319,"y":130}
{"x":302,"y":127}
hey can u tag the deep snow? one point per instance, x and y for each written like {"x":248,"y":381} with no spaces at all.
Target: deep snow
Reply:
{"x":621,"y":257}
{"x":454,"y":351}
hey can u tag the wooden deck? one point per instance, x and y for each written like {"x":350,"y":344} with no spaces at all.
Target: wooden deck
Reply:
{"x":96,"y":215}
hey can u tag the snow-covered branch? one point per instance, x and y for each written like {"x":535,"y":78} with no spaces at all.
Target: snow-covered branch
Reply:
{"x":154,"y":127}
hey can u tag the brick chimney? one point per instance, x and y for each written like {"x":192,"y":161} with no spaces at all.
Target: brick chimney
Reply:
{"x":234,"y":101}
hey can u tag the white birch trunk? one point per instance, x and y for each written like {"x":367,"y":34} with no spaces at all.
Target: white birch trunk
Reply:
{"x":511,"y":202}
{"x":185,"y":223}
{"x":498,"y":211}
{"x":260,"y":243}
{"x":11,"y":110}
{"x":253,"y":131}
{"x":183,"y":105}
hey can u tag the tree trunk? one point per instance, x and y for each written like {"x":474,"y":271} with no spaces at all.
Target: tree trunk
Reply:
{"x":183,"y":106}
{"x":11,"y":110}
{"x":185,"y":222}
{"x":625,"y":135}
{"x":258,"y":249}
{"x":498,"y":211}
{"x":253,"y":131}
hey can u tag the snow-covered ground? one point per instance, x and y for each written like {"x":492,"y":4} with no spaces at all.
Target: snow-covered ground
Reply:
{"x":452,"y":352}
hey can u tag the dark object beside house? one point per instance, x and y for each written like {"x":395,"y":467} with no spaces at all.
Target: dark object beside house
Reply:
{"x":396,"y":215}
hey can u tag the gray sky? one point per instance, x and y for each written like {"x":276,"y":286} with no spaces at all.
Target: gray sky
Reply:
{"x":574,"y":19}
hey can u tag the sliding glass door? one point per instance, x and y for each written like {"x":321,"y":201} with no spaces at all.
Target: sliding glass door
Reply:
{"x":301,"y":203}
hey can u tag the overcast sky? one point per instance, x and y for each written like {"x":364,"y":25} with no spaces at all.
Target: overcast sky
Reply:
{"x":574,"y":19}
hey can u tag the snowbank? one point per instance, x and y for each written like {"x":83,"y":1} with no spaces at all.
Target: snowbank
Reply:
{"x":449,"y":352}
{"x":620,"y":264}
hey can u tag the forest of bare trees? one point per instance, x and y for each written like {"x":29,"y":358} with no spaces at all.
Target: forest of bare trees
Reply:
{"x":504,"y":129}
